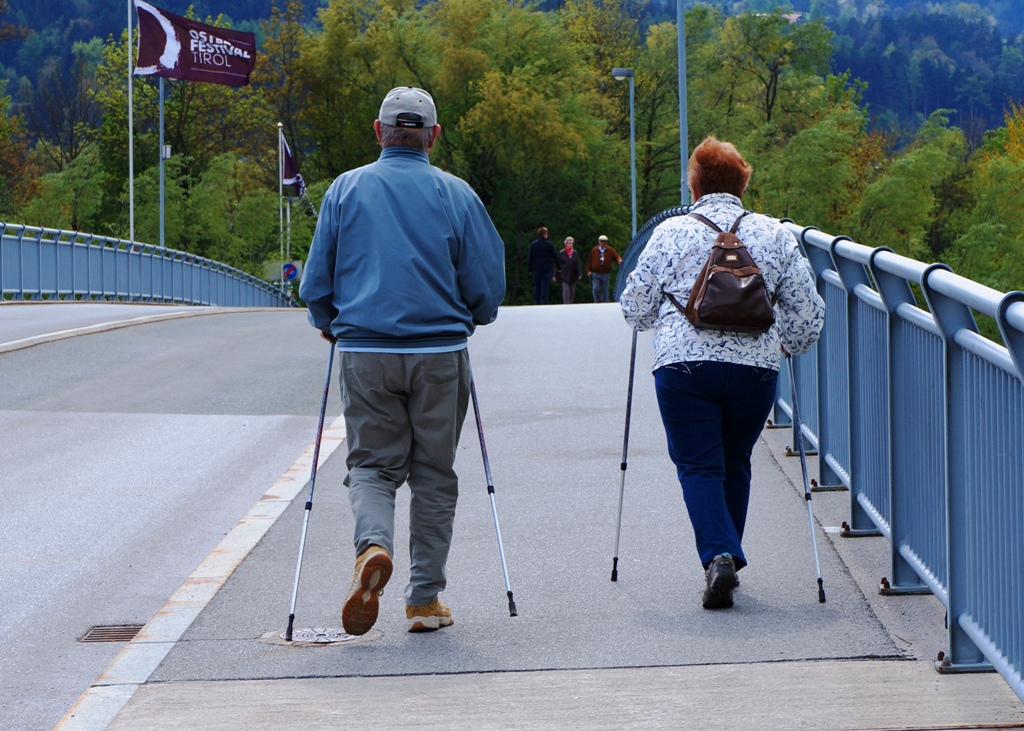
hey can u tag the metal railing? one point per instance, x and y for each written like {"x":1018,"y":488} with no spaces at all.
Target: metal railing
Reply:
{"x":922,"y":418}
{"x":41,"y":263}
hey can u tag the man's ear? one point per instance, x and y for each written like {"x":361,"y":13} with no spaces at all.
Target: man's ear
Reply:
{"x":376,"y":129}
{"x":437,"y":132}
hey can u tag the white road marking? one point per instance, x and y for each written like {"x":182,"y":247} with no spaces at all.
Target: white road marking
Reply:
{"x":110,"y":692}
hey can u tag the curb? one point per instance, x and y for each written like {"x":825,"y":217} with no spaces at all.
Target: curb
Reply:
{"x":97,"y":707}
{"x":117,"y":324}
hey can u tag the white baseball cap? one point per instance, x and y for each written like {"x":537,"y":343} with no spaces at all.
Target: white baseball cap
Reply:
{"x":407,"y":106}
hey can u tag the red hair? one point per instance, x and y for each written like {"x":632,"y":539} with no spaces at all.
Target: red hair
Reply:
{"x":717,"y":167}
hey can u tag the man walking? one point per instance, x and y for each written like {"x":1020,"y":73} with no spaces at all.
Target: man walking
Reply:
{"x":541,"y":265}
{"x":599,"y":267}
{"x":404,"y":264}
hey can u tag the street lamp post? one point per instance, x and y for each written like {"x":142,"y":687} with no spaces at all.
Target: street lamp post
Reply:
{"x":684,"y":152}
{"x":619,"y":75}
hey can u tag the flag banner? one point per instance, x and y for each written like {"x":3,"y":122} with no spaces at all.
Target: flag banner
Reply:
{"x":179,"y":48}
{"x":291,"y":175}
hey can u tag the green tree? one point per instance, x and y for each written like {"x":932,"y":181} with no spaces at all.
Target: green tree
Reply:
{"x":657,"y":123}
{"x":63,"y":110}
{"x":277,"y":74}
{"x":14,"y":185}
{"x":899,"y":208}
{"x":233,"y":217}
{"x":70,"y":199}
{"x":760,"y":69}
{"x":991,"y":247}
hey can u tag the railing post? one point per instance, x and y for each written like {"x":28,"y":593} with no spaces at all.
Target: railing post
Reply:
{"x":895,"y":291}
{"x":952,"y":317}
{"x":821,"y":262}
{"x":852,"y":274}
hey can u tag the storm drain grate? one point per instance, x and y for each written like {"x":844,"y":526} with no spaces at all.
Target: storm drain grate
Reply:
{"x":112,"y":633}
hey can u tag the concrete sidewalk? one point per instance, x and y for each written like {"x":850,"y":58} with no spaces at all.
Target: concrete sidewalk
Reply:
{"x":584,"y":652}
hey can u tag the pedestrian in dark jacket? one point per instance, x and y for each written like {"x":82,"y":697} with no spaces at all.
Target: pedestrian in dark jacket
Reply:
{"x":541,"y":265}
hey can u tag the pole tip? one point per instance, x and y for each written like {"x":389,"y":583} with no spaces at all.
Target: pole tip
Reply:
{"x":512,"y":606}
{"x":821,"y":592}
{"x":615,"y":568}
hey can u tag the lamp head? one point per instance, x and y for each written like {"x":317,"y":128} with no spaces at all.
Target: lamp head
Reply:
{"x":622,"y":74}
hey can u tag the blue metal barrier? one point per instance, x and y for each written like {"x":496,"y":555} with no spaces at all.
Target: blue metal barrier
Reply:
{"x":41,"y":263}
{"x":922,"y":418}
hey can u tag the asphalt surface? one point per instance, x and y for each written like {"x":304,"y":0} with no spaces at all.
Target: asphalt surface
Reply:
{"x":584,"y":652}
{"x":127,"y":454}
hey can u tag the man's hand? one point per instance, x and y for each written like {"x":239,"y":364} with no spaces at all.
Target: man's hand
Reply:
{"x":327,"y":337}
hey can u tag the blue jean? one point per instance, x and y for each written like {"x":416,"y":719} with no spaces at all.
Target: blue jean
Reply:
{"x":541,"y":286}
{"x":713,"y":414}
{"x":599,"y":286}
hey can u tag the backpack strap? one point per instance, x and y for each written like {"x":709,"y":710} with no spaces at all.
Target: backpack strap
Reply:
{"x":707,"y":221}
{"x":736,"y":223}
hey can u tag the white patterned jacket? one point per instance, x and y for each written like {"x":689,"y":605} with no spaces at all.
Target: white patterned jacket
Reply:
{"x":671,"y":262}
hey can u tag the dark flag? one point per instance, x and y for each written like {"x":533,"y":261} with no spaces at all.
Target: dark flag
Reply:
{"x":178,"y":48}
{"x":290,"y":174}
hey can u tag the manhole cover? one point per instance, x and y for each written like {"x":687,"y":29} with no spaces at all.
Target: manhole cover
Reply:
{"x":319,"y":635}
{"x":310,"y":636}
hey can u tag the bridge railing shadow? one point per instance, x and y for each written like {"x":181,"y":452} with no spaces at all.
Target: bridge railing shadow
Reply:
{"x":51,"y":264}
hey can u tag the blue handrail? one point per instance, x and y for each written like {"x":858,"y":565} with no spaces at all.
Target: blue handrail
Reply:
{"x":921,"y":417}
{"x":42,"y":263}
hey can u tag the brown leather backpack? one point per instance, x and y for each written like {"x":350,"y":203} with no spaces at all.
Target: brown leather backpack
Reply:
{"x":730,"y":293}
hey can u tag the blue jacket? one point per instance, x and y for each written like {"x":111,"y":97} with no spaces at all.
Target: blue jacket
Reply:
{"x":404,"y":257}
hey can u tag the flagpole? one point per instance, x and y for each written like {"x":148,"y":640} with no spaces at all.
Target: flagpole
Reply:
{"x":161,"y":161}
{"x":131,"y":135}
{"x":280,"y":194}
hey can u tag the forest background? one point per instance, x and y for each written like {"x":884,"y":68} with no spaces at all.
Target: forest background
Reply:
{"x":897,"y":123}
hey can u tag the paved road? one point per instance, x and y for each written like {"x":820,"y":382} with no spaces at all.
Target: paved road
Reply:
{"x":127,"y":455}
{"x":584,"y":652}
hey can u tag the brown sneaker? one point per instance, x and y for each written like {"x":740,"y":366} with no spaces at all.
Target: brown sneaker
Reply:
{"x":429,"y":617}
{"x":373,"y":569}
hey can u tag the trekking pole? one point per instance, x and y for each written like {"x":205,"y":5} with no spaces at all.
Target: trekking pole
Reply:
{"x":622,"y":465}
{"x":490,"y":492}
{"x":309,"y":498}
{"x":799,"y":438}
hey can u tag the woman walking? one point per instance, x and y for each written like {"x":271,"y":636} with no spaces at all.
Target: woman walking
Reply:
{"x":716,"y":387}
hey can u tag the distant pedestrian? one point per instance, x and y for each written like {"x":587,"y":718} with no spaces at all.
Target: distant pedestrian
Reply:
{"x":716,"y":387}
{"x":405,"y":264}
{"x":599,"y":267}
{"x":541,"y":265}
{"x":570,"y":270}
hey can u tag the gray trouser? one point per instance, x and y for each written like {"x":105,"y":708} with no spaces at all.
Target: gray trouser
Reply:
{"x":403,"y":417}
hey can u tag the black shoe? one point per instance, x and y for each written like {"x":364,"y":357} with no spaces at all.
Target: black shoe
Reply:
{"x":721,"y":577}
